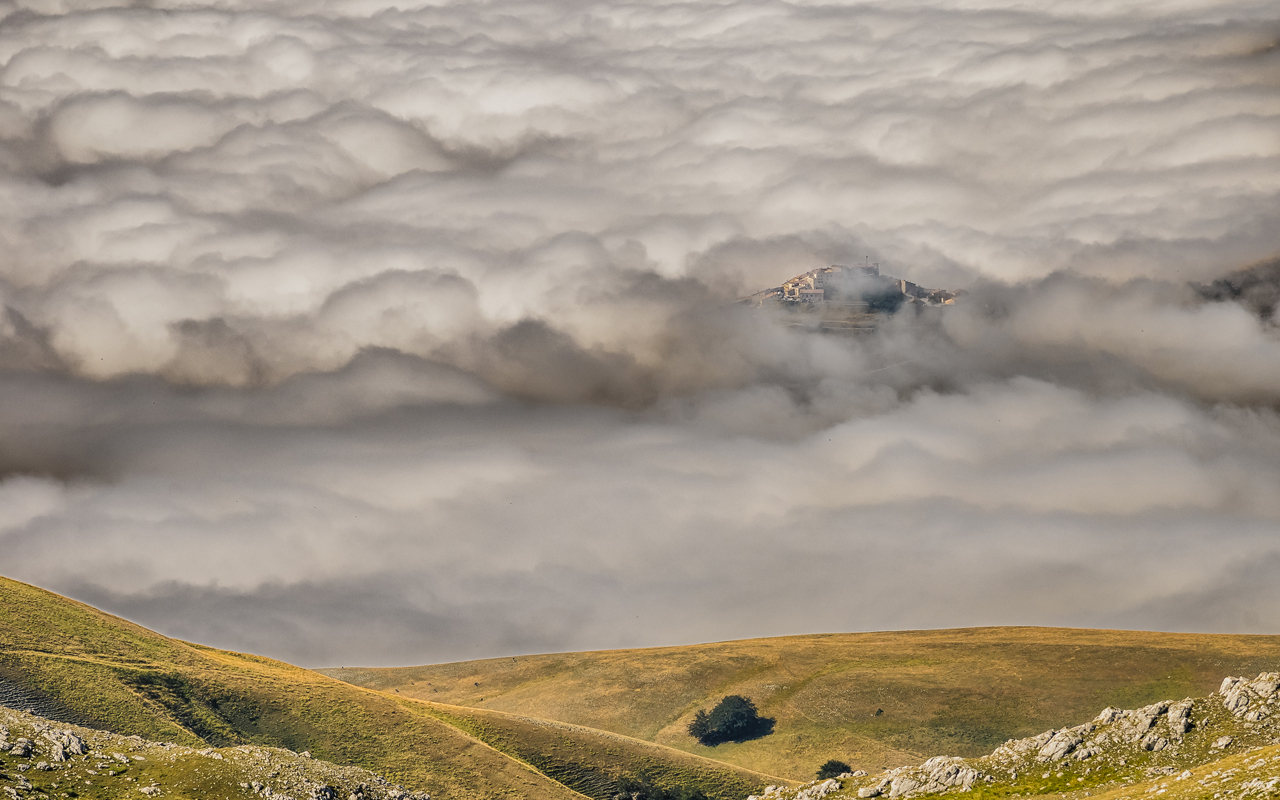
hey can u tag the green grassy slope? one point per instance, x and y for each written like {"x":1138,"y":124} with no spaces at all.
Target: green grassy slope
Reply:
{"x":585,"y":758}
{"x":1219,"y":746}
{"x":103,"y":765}
{"x":953,"y":691}
{"x":1256,"y":772}
{"x":113,"y":674}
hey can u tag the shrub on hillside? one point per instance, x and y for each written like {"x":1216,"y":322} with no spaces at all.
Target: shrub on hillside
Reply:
{"x":734,"y":719}
{"x":833,"y":769}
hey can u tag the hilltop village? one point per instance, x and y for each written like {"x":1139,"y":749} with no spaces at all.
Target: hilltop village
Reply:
{"x":851,"y":298}
{"x":854,"y":286}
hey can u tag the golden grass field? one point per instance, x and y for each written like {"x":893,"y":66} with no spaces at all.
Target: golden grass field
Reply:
{"x":563,"y":726}
{"x":110,"y":674}
{"x":958,"y":692}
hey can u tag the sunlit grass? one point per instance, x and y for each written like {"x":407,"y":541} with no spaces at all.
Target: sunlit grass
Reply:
{"x":108,"y":673}
{"x":957,"y":692}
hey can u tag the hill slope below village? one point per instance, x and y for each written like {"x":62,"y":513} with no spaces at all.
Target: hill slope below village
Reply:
{"x":961,"y":692}
{"x":73,"y":663}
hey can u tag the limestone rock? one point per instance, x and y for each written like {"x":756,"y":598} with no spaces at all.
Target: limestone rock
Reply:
{"x":1179,"y":717}
{"x":1060,"y":745}
{"x":770,"y":791}
{"x":1020,"y":748}
{"x":1140,"y":721}
{"x":938,"y":774}
{"x":1081,"y":753}
{"x":1154,"y":742}
{"x":1237,"y":701}
{"x":947,"y":772}
{"x":1244,"y":698}
{"x":1180,"y":710}
{"x":818,"y":790}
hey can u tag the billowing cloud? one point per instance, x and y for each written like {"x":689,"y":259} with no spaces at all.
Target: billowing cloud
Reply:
{"x":365,"y":332}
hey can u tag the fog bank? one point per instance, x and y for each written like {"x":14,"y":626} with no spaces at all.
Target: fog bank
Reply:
{"x":360,"y":332}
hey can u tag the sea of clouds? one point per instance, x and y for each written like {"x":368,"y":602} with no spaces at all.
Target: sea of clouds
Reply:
{"x":366,"y":331}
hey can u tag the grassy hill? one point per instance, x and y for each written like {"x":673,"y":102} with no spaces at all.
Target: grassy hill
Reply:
{"x":1255,"y":772}
{"x":1220,"y":746}
{"x":952,"y":691}
{"x":101,"y":765}
{"x":562,"y":726}
{"x":104,"y":672}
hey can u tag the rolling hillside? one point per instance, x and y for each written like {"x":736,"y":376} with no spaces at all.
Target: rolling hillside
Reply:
{"x":83,"y":666}
{"x":39,"y":760}
{"x":1220,"y":746}
{"x":952,"y":691}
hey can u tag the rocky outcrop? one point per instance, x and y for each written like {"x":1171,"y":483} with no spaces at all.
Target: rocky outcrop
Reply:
{"x":1250,"y":700}
{"x":938,"y":774}
{"x":819,"y":790}
{"x":1150,"y":741}
{"x":1062,"y":743}
{"x":1152,"y":728}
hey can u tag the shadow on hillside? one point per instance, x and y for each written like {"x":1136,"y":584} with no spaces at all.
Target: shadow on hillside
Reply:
{"x":15,"y":694}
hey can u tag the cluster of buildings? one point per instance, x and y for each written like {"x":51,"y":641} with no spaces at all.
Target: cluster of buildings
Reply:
{"x":854,"y":286}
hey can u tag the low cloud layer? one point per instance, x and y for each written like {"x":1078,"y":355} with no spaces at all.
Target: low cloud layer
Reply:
{"x":356,"y":332}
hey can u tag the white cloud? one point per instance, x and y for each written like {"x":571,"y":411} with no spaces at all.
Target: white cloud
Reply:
{"x":317,"y":311}
{"x":118,"y":126}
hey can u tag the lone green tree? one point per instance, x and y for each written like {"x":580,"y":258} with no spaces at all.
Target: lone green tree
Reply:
{"x":734,"y":719}
{"x":833,"y":769}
